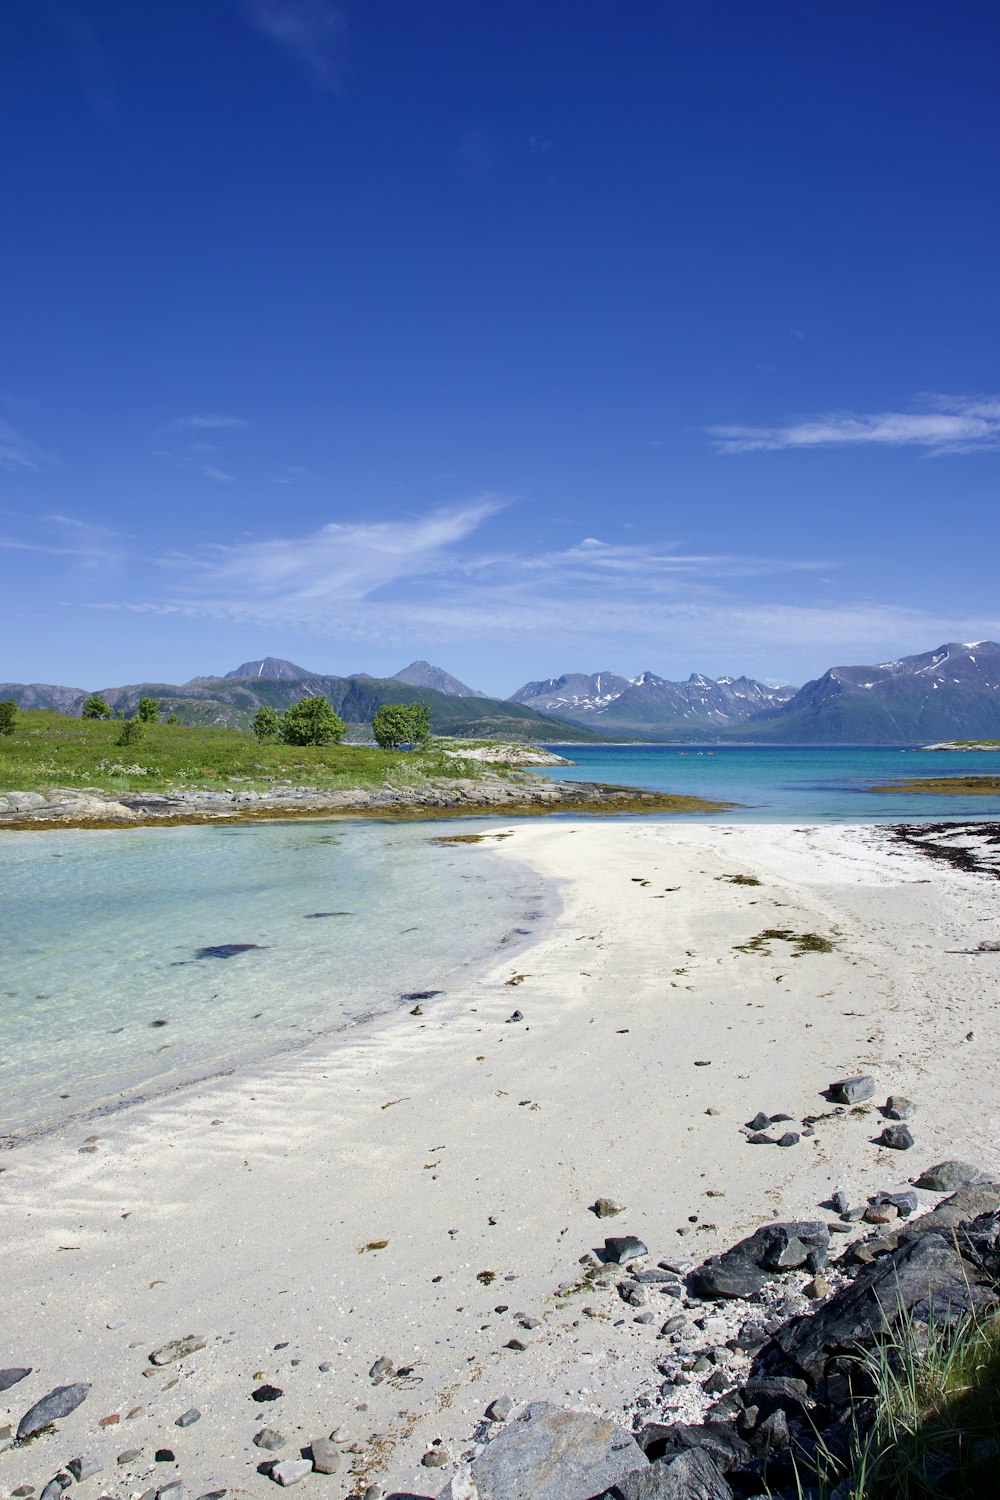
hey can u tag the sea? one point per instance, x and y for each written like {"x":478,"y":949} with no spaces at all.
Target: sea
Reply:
{"x":133,"y":961}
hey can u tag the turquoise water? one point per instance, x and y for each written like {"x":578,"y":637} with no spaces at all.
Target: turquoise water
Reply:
{"x":792,"y":783}
{"x":101,"y":932}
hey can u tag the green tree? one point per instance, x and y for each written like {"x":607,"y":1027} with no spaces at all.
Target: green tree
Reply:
{"x":311,"y":721}
{"x":132,"y":730}
{"x":399,"y":724}
{"x":148,"y":711}
{"x":95,"y":708}
{"x":8,"y":715}
{"x":266,"y":723}
{"x":173,"y":719}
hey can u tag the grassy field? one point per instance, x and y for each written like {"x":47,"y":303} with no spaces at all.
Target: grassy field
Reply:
{"x":49,"y":749}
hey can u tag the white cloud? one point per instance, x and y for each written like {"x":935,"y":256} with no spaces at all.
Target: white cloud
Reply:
{"x":219,"y":475}
{"x":311,"y":30}
{"x":948,"y":424}
{"x":16,"y":452}
{"x":198,"y":422}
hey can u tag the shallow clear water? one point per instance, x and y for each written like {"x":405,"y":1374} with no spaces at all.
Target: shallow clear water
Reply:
{"x":792,"y":783}
{"x":100,"y":932}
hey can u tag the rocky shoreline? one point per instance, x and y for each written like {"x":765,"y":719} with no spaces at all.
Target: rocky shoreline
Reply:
{"x":515,"y":794}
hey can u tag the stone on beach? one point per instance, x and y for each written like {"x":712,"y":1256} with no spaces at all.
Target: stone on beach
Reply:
{"x":686,"y":1476}
{"x":606,"y":1208}
{"x":325,"y":1454}
{"x":177,"y":1349}
{"x":896,"y":1137}
{"x":550,"y":1453}
{"x":58,"y":1403}
{"x":623,"y":1248}
{"x":12,"y":1375}
{"x":852,"y":1090}
{"x":947,"y":1176}
{"x":290,"y":1470}
{"x":896,"y":1107}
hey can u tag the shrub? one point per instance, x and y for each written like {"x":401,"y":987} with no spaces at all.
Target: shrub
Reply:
{"x":266,"y":723}
{"x":131,"y":732}
{"x":95,"y":708}
{"x":399,"y":724}
{"x":311,"y":721}
{"x":8,"y":715}
{"x":148,"y":711}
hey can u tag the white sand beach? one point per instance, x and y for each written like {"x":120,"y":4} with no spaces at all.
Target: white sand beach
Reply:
{"x":248,"y":1210}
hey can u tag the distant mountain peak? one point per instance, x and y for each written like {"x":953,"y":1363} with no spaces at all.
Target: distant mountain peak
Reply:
{"x":272,"y":667}
{"x":421,"y":674}
{"x":649,"y":703}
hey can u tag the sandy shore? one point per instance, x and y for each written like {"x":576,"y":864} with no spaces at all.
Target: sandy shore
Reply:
{"x":249,"y":1210}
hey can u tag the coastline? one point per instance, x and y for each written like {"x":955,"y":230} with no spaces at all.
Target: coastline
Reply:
{"x":473,"y":1144}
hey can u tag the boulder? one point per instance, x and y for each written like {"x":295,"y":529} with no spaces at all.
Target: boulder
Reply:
{"x":749,"y":1265}
{"x":12,"y":1375}
{"x":690,"y":1476}
{"x":550,"y":1453}
{"x":947,"y":1176}
{"x":721,"y":1442}
{"x":925,"y":1277}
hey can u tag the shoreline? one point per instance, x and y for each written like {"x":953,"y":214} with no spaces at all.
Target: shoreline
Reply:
{"x":473,"y":1143}
{"x":520,"y":795}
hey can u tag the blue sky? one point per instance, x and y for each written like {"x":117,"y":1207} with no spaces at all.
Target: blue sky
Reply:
{"x":530,"y":337}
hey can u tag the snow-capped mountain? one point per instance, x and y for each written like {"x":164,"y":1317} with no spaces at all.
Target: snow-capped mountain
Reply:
{"x":648,"y":702}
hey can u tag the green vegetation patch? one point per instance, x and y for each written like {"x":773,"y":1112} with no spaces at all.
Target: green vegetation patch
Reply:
{"x":803,"y":942}
{"x":945,"y":786}
{"x":50,"y":749}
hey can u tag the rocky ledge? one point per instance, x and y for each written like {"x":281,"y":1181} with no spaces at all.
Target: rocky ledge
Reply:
{"x":513,"y":794}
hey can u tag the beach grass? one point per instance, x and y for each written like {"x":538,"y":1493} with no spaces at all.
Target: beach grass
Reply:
{"x":49,"y":750}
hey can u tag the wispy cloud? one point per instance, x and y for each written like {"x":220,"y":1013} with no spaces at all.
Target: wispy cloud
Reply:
{"x":311,"y":31}
{"x":219,"y":475}
{"x":945,"y":424}
{"x":16,"y":452}
{"x":202,"y":422}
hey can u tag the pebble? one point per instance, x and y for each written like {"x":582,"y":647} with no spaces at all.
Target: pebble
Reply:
{"x":266,"y":1393}
{"x":896,"y":1107}
{"x":905,"y":1201}
{"x":130,"y":1456}
{"x":84,"y":1468}
{"x":840,"y":1201}
{"x":644,"y":1317}
{"x":606,"y":1208}
{"x":382,"y":1367}
{"x":6,"y":1437}
{"x":516,"y":1344}
{"x":53,"y":1490}
{"x":790,"y":1138}
{"x":817,"y":1288}
{"x":172,"y":1491}
{"x":165,"y":1456}
{"x":760,"y":1121}
{"x":188,"y":1418}
{"x":897,"y":1137}
{"x":758,"y":1138}
{"x":881,"y":1213}
{"x":269,"y":1438}
{"x":500,"y":1409}
{"x":291,"y":1470}
{"x":325,"y":1455}
{"x":434,"y":1458}
{"x":177,"y":1349}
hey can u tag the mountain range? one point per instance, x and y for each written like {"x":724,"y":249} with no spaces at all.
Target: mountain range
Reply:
{"x":952,"y":692}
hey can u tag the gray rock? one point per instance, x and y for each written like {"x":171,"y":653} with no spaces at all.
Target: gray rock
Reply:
{"x":58,"y":1403}
{"x":967,"y":1203}
{"x":852,"y":1090}
{"x":172,"y":1491}
{"x":606,"y":1208}
{"x":188,"y":1418}
{"x":724,"y":1446}
{"x":11,"y":1376}
{"x":633,"y":1292}
{"x":382,"y":1367}
{"x":22,"y":801}
{"x":790,"y":1138}
{"x":325,"y":1456}
{"x":747,"y":1267}
{"x":897,"y":1107}
{"x":772,"y":1436}
{"x":623,"y":1248}
{"x":500,"y":1409}
{"x":924,"y":1277}
{"x":776,"y":1392}
{"x":177,"y":1349}
{"x":947,"y":1176}
{"x":841,"y":1202}
{"x":129,"y":1456}
{"x":266,"y":1393}
{"x":881,"y":1213}
{"x":290,"y":1470}
{"x":434,"y":1458}
{"x":758,"y":1138}
{"x":6,"y":1437}
{"x":53,"y":1490}
{"x":550,"y":1453}
{"x":760,"y":1121}
{"x":688,"y":1476}
{"x":905,"y":1202}
{"x":270,"y":1439}
{"x":897,"y":1137}
{"x":84,"y":1468}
